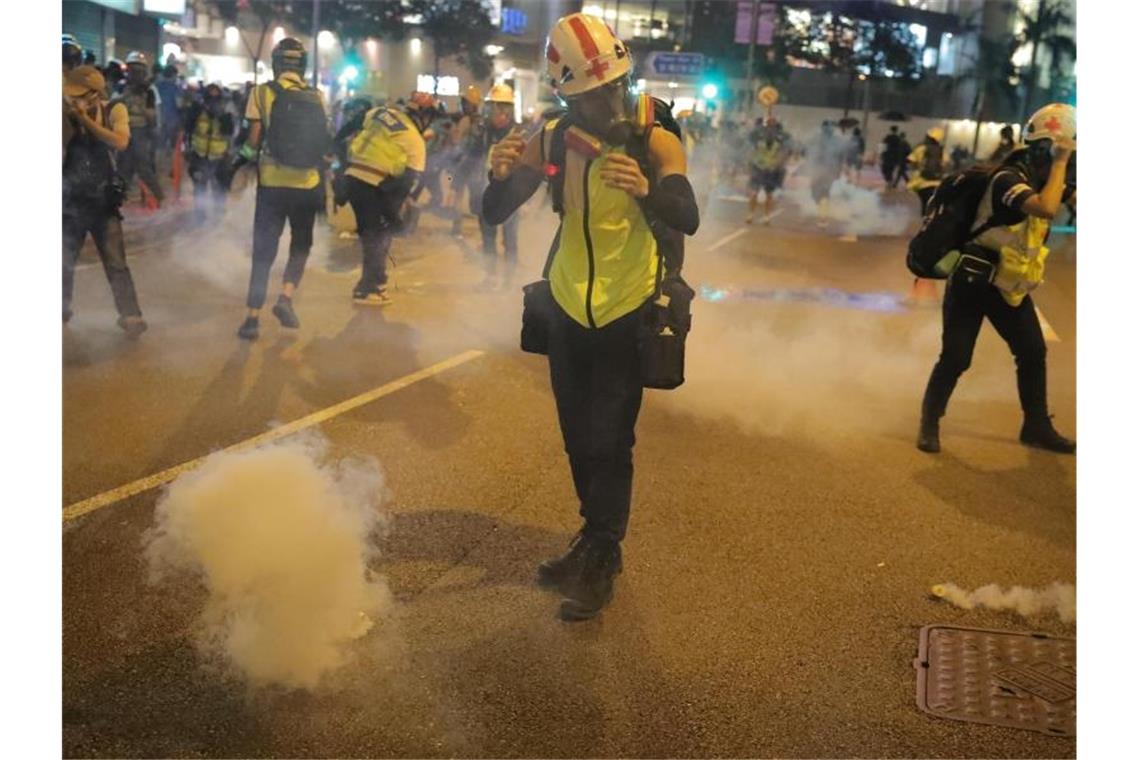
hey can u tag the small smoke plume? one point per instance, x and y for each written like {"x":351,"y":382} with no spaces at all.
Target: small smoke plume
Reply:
{"x":280,"y":537}
{"x":1060,"y":598}
{"x":854,"y":210}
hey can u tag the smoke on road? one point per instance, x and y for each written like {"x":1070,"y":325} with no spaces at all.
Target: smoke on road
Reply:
{"x":854,"y":210}
{"x":281,"y":537}
{"x":1058,"y":598}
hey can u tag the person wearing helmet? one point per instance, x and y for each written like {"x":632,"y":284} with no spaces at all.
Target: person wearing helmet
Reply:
{"x":385,"y":161}
{"x":929,"y":161}
{"x":92,"y":192}
{"x":500,"y":120}
{"x":289,"y":158}
{"x":468,"y":142}
{"x":769,"y":161}
{"x":209,"y":131}
{"x":1021,"y":198}
{"x":141,"y":100}
{"x":603,"y":270}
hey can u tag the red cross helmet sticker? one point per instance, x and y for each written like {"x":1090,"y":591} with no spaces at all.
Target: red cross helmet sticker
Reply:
{"x":597,"y":67}
{"x":1052,"y":125}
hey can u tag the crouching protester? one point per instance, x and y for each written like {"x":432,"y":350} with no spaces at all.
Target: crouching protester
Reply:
{"x":93,"y":191}
{"x":997,"y":269}
{"x":611,"y":312}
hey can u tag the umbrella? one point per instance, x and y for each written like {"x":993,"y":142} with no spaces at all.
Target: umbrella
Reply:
{"x":894,"y":116}
{"x":848,"y":121}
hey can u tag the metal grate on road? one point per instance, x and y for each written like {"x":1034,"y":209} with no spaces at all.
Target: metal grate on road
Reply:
{"x":1001,"y":678}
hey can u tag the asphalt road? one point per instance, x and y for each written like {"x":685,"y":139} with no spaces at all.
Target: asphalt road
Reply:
{"x":784,"y":536}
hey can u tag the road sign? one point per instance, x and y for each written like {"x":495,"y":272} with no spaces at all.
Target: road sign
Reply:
{"x":675,"y":64}
{"x":768,"y":96}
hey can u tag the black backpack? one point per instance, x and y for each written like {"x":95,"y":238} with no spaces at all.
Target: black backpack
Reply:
{"x":670,"y":242}
{"x":297,"y":132}
{"x":949,"y":221}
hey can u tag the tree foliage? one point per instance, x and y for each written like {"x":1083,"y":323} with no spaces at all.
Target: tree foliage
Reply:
{"x":459,"y":28}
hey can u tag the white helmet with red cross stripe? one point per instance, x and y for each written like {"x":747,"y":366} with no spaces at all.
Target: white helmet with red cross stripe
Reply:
{"x":1056,"y":122}
{"x":583,"y":53}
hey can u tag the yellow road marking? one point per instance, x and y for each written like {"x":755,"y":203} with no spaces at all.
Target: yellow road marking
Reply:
{"x":116,"y":495}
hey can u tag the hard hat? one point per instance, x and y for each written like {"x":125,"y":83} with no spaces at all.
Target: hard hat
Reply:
{"x":289,"y":55}
{"x":136,"y":58}
{"x":473,"y":95}
{"x":501,"y":93}
{"x":72,"y":52}
{"x":582,"y":54}
{"x":1056,"y":122}
{"x":937,"y":134}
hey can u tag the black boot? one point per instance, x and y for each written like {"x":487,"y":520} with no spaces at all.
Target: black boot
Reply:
{"x":554,"y":573}
{"x":1041,"y":434}
{"x":594,"y":588}
{"x":928,"y":435}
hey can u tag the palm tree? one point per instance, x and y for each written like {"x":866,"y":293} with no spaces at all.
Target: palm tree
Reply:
{"x":1045,"y":28}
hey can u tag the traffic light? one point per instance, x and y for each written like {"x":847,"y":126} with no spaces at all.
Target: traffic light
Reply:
{"x":709,"y":90}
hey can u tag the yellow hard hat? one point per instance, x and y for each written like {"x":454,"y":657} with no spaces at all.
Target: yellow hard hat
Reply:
{"x":473,"y":95}
{"x":501,"y":93}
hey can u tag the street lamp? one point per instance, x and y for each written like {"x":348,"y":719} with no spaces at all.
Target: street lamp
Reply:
{"x":233,"y":36}
{"x":326,"y":39}
{"x":278,"y":34}
{"x":709,"y":91}
{"x":416,"y":45}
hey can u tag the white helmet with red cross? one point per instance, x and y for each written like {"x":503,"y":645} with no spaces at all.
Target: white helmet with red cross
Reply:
{"x":583,"y":53}
{"x":1056,"y":122}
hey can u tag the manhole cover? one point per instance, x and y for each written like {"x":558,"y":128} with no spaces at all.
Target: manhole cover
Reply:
{"x":1003,"y":678}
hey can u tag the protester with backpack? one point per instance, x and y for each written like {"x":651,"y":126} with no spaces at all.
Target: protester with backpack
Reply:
{"x":141,"y":100}
{"x":93,"y":191}
{"x":209,"y":131}
{"x":288,"y":139}
{"x":619,"y":185}
{"x":769,"y":162}
{"x":997,"y":255}
{"x":929,"y":164}
{"x":384,"y":165}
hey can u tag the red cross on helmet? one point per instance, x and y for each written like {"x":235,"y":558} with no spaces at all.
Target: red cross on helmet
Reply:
{"x":1056,"y":122}
{"x":583,"y":53}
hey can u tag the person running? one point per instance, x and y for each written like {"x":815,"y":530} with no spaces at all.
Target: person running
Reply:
{"x":929,"y":162}
{"x":92,"y":192}
{"x":289,"y":157}
{"x":902,"y":172}
{"x":209,"y":131}
{"x":500,"y":121}
{"x":853,"y":159}
{"x":1005,"y":145}
{"x":385,"y":161}
{"x":603,"y":271}
{"x":888,"y":156}
{"x":1021,"y":199}
{"x":769,"y":166}
{"x":141,"y":100}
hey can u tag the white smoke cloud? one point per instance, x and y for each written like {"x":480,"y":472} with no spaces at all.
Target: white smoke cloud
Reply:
{"x":1058,"y":598}
{"x":854,"y":210}
{"x":280,"y":537}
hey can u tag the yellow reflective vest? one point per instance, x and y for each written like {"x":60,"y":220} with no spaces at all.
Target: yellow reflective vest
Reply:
{"x":386,"y":146}
{"x":207,"y":139}
{"x":606,"y":262}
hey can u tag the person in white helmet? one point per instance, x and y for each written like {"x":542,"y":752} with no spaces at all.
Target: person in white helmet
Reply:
{"x":603,"y":272}
{"x":1007,"y":261}
{"x":929,"y":163}
{"x":500,"y":119}
{"x":141,"y":100}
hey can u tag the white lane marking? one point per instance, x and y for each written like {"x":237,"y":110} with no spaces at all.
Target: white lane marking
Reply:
{"x":1047,"y":330}
{"x":115,"y":495}
{"x":725,"y":240}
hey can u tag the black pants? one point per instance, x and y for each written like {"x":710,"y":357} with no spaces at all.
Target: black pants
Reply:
{"x":106,"y":228}
{"x":274,"y":206}
{"x":489,"y":232}
{"x":924,"y":195}
{"x":377,"y":210}
{"x":963,"y":309}
{"x":138,"y":158}
{"x":596,"y":377}
{"x":888,"y":170}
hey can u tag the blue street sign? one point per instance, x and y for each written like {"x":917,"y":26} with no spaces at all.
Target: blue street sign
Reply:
{"x":675,"y":64}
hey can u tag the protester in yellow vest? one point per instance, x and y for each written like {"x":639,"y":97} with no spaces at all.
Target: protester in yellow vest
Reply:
{"x":602,"y":274}
{"x":1013,"y":216}
{"x":289,"y":164}
{"x":929,"y":162}
{"x":209,"y":131}
{"x":385,"y":161}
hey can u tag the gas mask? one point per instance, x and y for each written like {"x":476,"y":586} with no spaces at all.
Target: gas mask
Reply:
{"x":608,"y":112}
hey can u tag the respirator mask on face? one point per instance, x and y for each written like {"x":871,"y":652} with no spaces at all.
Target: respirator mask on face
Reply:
{"x":608,"y":112}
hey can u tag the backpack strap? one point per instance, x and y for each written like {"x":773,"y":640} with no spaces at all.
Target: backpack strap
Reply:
{"x":670,"y":244}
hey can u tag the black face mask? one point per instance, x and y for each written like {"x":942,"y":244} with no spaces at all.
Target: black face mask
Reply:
{"x":606,"y":112}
